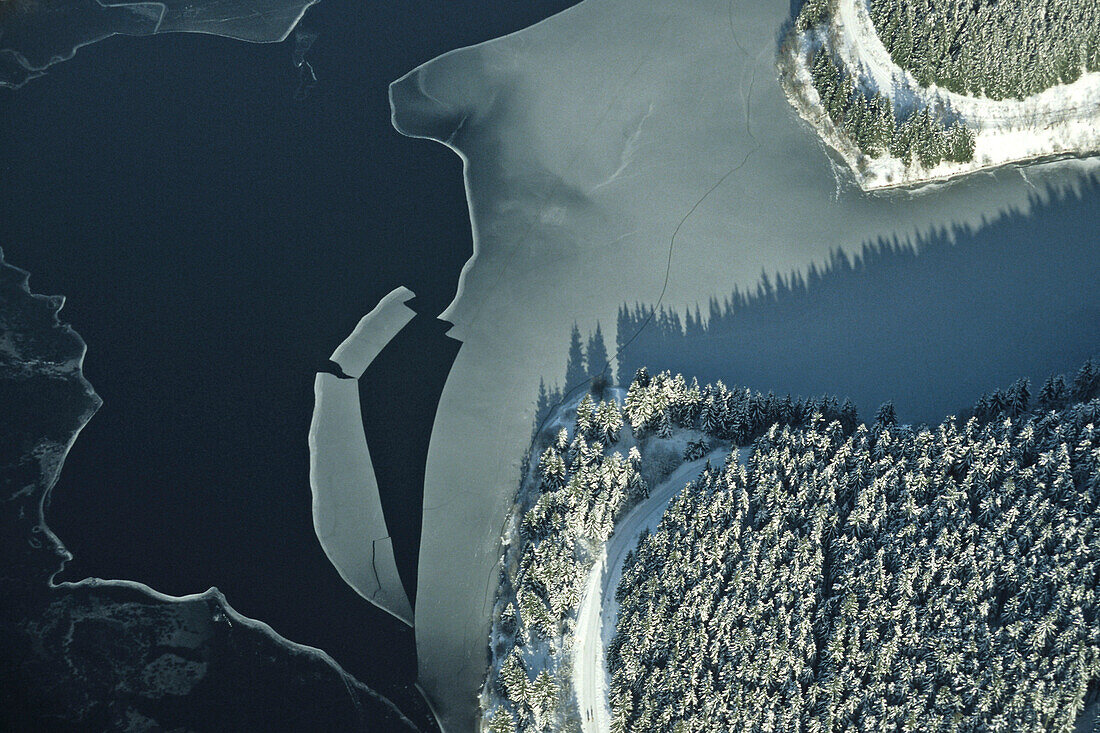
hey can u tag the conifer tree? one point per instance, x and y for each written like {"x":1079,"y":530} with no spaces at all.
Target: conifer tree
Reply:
{"x":597,"y":354}
{"x":1086,"y":383}
{"x":1018,"y":398}
{"x":542,"y":405}
{"x":575,"y":370}
{"x":502,"y":721}
{"x":585,"y":425}
{"x":886,"y":416}
{"x":1052,"y":396}
{"x":513,"y":675}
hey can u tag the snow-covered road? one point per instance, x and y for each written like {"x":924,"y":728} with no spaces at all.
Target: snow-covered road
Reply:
{"x":598,"y":610}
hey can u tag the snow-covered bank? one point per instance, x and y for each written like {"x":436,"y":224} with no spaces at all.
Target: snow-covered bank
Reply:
{"x":116,"y":654}
{"x":579,"y":511}
{"x":1062,"y":121}
{"x":529,"y":654}
{"x":584,"y":483}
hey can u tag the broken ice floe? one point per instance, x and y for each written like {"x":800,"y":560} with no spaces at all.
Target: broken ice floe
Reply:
{"x":36,"y":35}
{"x":347,"y":508}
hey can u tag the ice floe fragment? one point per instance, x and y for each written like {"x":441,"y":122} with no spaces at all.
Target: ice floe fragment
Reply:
{"x":373,"y":332}
{"x":36,"y":35}
{"x":347,"y":507}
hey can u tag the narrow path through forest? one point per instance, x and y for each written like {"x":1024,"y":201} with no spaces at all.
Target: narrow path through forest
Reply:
{"x":598,"y":610}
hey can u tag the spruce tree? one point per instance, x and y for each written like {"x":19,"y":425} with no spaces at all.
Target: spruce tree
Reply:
{"x":1052,"y":396}
{"x":502,"y":721}
{"x":1086,"y":383}
{"x":886,"y":416}
{"x":597,"y":354}
{"x":542,"y":405}
{"x":575,"y":371}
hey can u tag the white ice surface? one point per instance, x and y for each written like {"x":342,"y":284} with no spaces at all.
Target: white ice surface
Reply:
{"x":347,"y":507}
{"x":621,"y":151}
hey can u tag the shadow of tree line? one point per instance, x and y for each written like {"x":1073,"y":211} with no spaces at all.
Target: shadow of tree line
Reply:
{"x":930,"y":322}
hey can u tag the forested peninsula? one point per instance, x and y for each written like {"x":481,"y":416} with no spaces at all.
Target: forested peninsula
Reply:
{"x":913,"y":91}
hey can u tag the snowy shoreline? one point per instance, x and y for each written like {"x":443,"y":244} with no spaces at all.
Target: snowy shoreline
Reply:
{"x":579,"y":511}
{"x":1062,"y":122}
{"x":551,"y":654}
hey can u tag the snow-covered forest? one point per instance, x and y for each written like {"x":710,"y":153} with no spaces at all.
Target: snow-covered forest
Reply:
{"x":871,"y":120}
{"x":868,"y":117}
{"x":911,"y":91}
{"x":888,"y":578}
{"x":583,"y":485}
{"x":998,"y":49}
{"x":593,"y":457}
{"x":578,"y":479}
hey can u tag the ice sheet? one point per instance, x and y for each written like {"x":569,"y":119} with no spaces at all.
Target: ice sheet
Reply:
{"x":347,"y":509}
{"x":623,"y":150}
{"x":36,"y":35}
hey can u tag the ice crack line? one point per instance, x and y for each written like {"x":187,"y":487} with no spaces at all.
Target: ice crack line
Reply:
{"x":577,"y":151}
{"x":664,"y":286}
{"x":374,"y":567}
{"x":733,"y":32}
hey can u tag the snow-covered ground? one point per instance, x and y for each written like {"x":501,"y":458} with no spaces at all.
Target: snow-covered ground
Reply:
{"x":1058,"y":122}
{"x":599,"y":610}
{"x":538,"y":654}
{"x":576,"y":658}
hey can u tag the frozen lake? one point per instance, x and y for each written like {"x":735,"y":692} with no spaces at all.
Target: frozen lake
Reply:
{"x":629,"y":151}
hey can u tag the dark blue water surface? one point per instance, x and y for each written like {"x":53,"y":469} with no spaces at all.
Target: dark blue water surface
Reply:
{"x":216,"y":239}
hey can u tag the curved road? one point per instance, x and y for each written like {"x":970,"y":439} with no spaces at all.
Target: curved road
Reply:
{"x":598,"y":610}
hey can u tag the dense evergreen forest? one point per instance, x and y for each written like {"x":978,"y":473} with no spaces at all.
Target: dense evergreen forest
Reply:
{"x":872,"y":122}
{"x":582,"y":477}
{"x":996,"y":48}
{"x":884,"y":578}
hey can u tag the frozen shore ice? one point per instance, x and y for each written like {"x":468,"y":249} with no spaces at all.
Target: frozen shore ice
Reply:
{"x":36,"y":35}
{"x":347,"y":508}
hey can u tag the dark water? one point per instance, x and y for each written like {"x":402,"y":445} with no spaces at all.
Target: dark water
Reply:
{"x":216,"y":239}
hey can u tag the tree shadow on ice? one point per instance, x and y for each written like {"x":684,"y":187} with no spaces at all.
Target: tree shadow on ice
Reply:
{"x":930,"y":323}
